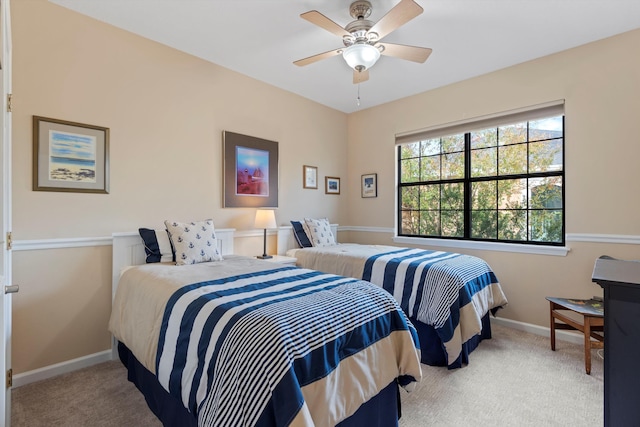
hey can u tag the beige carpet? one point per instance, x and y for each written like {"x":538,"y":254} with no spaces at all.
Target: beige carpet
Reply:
{"x":513,"y":379}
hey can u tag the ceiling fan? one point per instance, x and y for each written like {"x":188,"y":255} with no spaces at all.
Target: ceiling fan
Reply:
{"x":362,"y":38}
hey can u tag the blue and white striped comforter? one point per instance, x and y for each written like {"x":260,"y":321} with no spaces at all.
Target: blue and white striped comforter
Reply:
{"x":448,"y":291}
{"x":251,"y":349}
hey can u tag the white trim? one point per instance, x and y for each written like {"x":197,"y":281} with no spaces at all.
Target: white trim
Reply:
{"x":61,"y":368}
{"x":79,"y":242}
{"x":255,"y":233}
{"x":603,"y":238}
{"x":572,"y":337}
{"x":366,"y":229}
{"x":489,"y":246}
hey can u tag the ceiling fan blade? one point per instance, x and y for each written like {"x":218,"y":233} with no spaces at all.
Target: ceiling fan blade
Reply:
{"x":360,"y":76}
{"x":318,"y":57}
{"x":410,"y":53}
{"x":322,"y":21}
{"x":399,"y":15}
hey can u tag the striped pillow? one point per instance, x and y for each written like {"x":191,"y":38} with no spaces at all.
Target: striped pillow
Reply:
{"x":157,"y":245}
{"x":301,"y":235}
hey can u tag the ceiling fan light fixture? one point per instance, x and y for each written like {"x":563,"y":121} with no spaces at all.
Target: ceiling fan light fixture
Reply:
{"x":361,"y":56}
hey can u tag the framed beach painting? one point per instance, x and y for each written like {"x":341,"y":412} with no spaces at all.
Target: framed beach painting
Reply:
{"x":250,"y":177}
{"x":70,"y":156}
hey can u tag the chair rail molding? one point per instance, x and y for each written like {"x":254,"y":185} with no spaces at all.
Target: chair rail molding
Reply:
{"x":62,"y":243}
{"x":77,"y":242}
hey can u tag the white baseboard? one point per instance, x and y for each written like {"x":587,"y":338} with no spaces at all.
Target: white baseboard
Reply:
{"x":575,"y":338}
{"x":61,"y":368}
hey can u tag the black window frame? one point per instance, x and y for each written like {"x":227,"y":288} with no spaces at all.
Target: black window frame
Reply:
{"x":467,"y":182}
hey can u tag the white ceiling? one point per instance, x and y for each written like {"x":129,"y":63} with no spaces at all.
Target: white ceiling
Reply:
{"x":262,"y":38}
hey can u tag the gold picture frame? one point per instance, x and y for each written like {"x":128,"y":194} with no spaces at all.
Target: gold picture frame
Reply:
{"x":309,"y":177}
{"x":331,"y":185}
{"x":70,"y":156}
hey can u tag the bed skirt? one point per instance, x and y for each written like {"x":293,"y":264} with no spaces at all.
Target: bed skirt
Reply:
{"x":432,"y":349}
{"x":381,"y":411}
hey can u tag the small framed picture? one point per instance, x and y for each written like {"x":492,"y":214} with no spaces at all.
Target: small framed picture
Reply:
{"x":370,"y":185}
{"x":309,"y":176}
{"x":331,"y":185}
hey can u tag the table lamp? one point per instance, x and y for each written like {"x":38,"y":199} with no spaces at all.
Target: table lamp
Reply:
{"x":265,"y":218}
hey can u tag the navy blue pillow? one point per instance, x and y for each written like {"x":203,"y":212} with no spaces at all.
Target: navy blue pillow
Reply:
{"x":152,"y":248}
{"x":301,"y":236}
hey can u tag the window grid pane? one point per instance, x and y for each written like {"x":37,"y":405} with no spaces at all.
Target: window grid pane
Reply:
{"x":453,"y":165}
{"x":512,"y":134}
{"x":484,"y":162}
{"x":484,"y":138}
{"x":545,"y":156}
{"x":430,"y":168}
{"x":512,"y":159}
{"x":453,"y":144}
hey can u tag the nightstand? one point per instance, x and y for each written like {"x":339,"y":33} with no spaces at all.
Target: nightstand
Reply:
{"x":281,"y":259}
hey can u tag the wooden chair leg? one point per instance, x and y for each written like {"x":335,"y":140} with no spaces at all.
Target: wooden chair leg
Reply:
{"x":552,"y":326}
{"x":587,"y":345}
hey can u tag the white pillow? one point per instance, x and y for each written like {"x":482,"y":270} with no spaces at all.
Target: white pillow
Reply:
{"x":194,"y":242}
{"x":319,"y":232}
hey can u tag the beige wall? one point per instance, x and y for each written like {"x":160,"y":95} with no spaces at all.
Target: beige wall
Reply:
{"x":60,"y":313}
{"x":166,"y":111}
{"x":601,"y":87}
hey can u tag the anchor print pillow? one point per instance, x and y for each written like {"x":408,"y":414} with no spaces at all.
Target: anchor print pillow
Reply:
{"x":320,"y":232}
{"x":194,"y":242}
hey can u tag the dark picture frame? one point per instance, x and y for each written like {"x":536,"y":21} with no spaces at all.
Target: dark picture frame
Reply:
{"x":309,"y":177}
{"x":369,"y":185}
{"x":70,"y":156}
{"x":331,"y":185}
{"x":250,"y":171}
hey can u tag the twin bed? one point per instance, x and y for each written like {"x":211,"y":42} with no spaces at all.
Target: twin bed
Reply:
{"x":240,"y":341}
{"x":447,"y":296}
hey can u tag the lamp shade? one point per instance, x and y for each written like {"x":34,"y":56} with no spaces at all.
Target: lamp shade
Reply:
{"x":361,"y":56}
{"x":265,"y":218}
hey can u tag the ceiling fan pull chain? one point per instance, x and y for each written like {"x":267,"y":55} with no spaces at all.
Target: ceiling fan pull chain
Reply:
{"x":358,"y":98}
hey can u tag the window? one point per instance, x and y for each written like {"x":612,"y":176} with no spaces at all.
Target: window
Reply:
{"x":503,"y":182}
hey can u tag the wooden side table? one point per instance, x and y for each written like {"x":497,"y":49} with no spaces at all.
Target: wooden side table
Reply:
{"x":592,"y":312}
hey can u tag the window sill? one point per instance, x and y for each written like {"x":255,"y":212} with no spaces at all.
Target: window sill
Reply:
{"x":488,"y":246}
